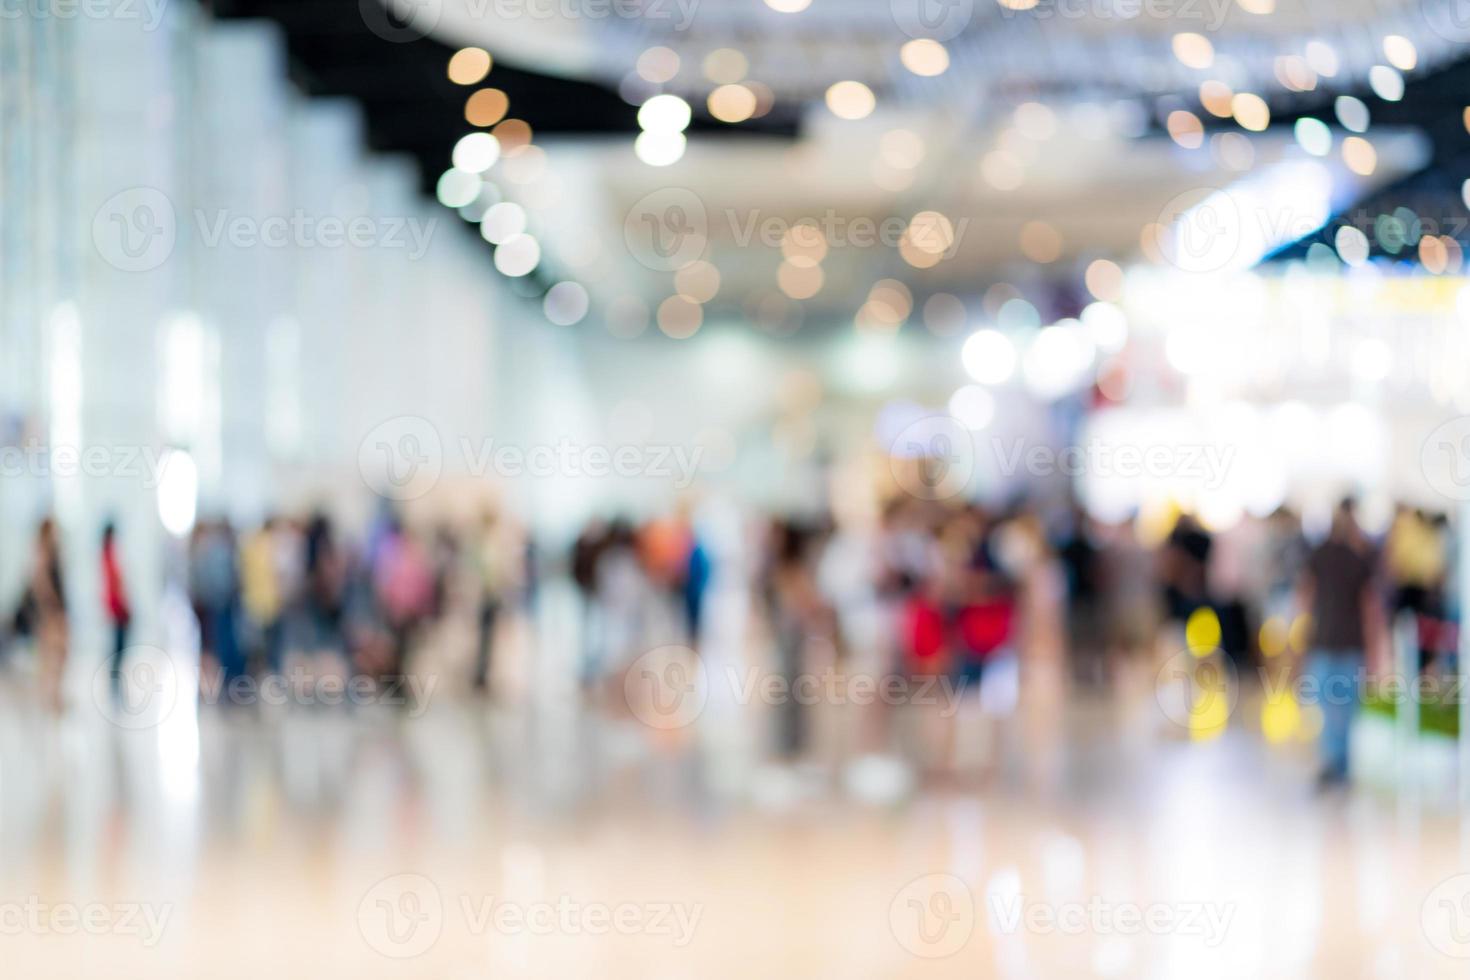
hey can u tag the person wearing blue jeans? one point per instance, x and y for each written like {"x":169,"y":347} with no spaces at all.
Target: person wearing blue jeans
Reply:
{"x":1337,"y":588}
{"x":1334,"y":676}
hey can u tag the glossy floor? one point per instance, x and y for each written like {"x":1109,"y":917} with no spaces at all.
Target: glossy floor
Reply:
{"x":554,"y":836}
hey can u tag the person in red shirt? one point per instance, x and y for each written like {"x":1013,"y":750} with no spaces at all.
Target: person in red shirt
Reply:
{"x":115,"y":599}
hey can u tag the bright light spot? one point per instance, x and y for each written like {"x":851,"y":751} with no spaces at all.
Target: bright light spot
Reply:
{"x":1185,"y":129}
{"x":664,"y":114}
{"x":1386,"y":83}
{"x":476,"y":153}
{"x":486,"y":107}
{"x":1352,"y":245}
{"x":1251,"y":111}
{"x":989,"y":357}
{"x":1314,"y":136}
{"x":178,"y":493}
{"x":469,"y":65}
{"x":1104,"y":279}
{"x":1058,"y":360}
{"x":1323,"y":58}
{"x":659,"y":149}
{"x":1372,"y":359}
{"x":1281,"y":718}
{"x":1202,"y":631}
{"x":924,"y":57}
{"x":457,"y":188}
{"x":565,"y":303}
{"x":658,"y":65}
{"x":1273,"y":636}
{"x":850,"y":100}
{"x":1215,"y":96}
{"x":1359,"y":155}
{"x":1352,"y":113}
{"x":503,"y":222}
{"x":1400,"y":52}
{"x":973,"y":407}
{"x":1194,"y":50}
{"x":518,"y":255}
{"x":1107,"y":325}
{"x":732,"y":103}
{"x":680,"y":318}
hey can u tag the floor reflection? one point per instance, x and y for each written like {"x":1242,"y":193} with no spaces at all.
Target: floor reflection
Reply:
{"x":552,"y":835}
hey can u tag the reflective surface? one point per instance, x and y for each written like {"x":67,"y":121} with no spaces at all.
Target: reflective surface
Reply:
{"x":557,"y":834}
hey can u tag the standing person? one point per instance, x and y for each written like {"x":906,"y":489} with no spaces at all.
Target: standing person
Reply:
{"x":44,"y":609}
{"x":1186,"y":561}
{"x":325,"y":573}
{"x":1337,"y":587}
{"x":799,"y":613}
{"x":115,"y":601}
{"x":215,"y":587}
{"x":497,"y":559}
{"x":261,"y":589}
{"x":586,"y":553}
{"x":696,"y":588}
{"x":403,"y":588}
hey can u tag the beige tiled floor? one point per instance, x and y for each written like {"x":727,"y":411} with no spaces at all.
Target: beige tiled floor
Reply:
{"x":554,"y":839}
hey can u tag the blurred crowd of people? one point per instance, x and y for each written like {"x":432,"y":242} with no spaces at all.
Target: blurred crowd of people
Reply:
{"x":926,"y":592}
{"x":296,"y":591}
